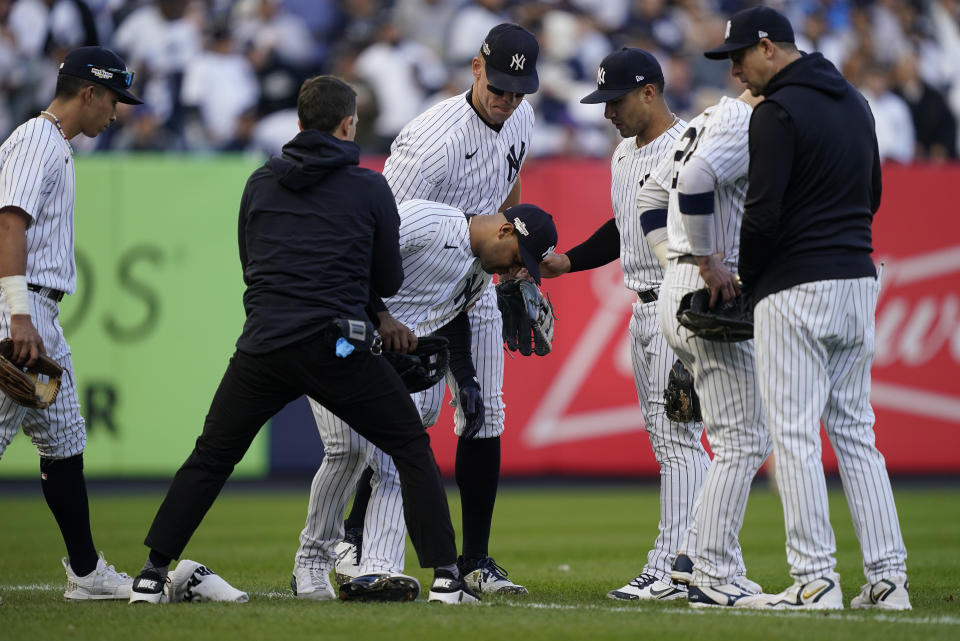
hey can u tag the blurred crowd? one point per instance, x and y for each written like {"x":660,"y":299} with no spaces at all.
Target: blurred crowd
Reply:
{"x":223,"y":75}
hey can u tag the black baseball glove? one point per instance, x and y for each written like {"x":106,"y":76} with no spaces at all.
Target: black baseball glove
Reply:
{"x":425,"y":366}
{"x":528,"y":317}
{"x":682,"y":403}
{"x":727,"y":322}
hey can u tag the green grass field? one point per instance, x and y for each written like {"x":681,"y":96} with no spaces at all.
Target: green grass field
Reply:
{"x":569,"y":545}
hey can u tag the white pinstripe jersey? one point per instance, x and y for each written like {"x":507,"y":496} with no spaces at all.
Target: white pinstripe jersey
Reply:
{"x":719,"y":135}
{"x":449,"y":155}
{"x":442,"y":277}
{"x":37,"y":175}
{"x":630,"y":167}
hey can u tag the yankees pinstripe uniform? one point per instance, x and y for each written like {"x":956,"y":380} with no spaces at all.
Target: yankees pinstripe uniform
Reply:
{"x":36,"y":175}
{"x":450,"y":155}
{"x":442,"y":278}
{"x":723,"y":372}
{"x":37,"y":269}
{"x":682,"y":459}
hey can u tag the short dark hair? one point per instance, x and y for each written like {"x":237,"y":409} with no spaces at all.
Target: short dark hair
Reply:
{"x":70,"y":86}
{"x":324,"y":101}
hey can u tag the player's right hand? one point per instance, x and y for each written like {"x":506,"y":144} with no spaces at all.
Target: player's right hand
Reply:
{"x":396,"y":336}
{"x":719,"y":279}
{"x":554,"y":265}
{"x":27,"y":344}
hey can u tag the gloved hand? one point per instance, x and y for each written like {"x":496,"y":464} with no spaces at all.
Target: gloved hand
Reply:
{"x":471,"y":403}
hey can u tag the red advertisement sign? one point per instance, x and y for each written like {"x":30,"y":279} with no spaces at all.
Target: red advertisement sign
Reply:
{"x":575,"y":411}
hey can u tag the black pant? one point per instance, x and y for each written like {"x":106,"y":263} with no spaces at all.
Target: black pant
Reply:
{"x":361,"y":389}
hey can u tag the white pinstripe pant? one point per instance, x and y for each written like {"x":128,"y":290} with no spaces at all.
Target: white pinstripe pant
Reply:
{"x":726,"y":382}
{"x":815,"y":346}
{"x":682,"y":459}
{"x":59,"y":431}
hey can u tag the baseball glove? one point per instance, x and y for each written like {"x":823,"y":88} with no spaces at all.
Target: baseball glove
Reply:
{"x":22,"y":384}
{"x":728,"y":322}
{"x":681,"y":400}
{"x":528,"y":317}
{"x":425,"y":366}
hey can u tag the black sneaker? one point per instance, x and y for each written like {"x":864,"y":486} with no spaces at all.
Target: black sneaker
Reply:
{"x":448,"y":589}
{"x":147,"y":587}
{"x":382,"y":586}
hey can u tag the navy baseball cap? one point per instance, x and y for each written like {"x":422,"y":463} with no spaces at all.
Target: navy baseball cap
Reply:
{"x":510,"y":53}
{"x":103,"y":67}
{"x":623,"y":71}
{"x":746,"y":28}
{"x":536,"y":235}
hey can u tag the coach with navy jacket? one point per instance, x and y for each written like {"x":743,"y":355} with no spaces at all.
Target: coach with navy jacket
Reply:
{"x":806,"y":267}
{"x":317,"y":236}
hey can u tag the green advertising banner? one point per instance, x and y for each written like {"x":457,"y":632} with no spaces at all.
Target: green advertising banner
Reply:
{"x":157,"y":311}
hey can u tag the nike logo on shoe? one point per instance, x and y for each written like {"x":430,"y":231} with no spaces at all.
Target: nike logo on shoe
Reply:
{"x":444,"y":583}
{"x":812,"y":593}
{"x":147,"y":584}
{"x":469,"y":156}
{"x":662,"y":593}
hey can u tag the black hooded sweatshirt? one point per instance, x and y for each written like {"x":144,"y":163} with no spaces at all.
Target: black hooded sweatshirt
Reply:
{"x":317,"y":233}
{"x":814,"y":182}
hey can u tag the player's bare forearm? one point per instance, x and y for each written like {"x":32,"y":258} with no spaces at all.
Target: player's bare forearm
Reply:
{"x":27,"y":344}
{"x":13,"y":242}
{"x":513,"y":198}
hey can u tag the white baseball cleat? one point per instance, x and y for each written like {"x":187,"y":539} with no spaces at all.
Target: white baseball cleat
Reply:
{"x":194,"y":582}
{"x":820,"y":594}
{"x":104,"y":582}
{"x":885,"y":594}
{"x":311,"y":584}
{"x":447,"y":589}
{"x":647,"y":587}
{"x":484,"y":576}
{"x":347,"y":566}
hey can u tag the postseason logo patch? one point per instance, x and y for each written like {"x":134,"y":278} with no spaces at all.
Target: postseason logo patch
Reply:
{"x":101,"y":73}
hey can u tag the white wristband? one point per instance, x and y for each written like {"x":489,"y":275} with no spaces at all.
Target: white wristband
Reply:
{"x":15,"y":291}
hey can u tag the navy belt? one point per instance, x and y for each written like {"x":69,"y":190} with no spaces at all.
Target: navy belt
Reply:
{"x":53,"y":294}
{"x":647,"y":296}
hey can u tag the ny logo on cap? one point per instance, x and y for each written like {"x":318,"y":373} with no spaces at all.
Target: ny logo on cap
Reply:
{"x":727,"y":34}
{"x":486,"y":48}
{"x":520,"y":227}
{"x":601,"y":75}
{"x":518,"y":61}
{"x":549,"y":251}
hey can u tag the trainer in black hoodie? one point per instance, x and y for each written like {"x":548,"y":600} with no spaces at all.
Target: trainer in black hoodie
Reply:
{"x":814,"y":181}
{"x":316,"y":233}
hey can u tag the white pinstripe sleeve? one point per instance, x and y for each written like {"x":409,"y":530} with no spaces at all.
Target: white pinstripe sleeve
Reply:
{"x":417,"y":164}
{"x":726,"y":148}
{"x":27,"y":165}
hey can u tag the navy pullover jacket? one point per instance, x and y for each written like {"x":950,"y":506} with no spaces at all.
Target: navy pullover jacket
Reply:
{"x":317,"y":234}
{"x":814,"y":182}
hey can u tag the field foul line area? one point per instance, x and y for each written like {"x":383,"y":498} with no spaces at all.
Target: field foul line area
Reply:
{"x":846,"y":615}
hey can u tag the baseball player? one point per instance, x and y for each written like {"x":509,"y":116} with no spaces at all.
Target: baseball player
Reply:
{"x":630,"y":82}
{"x":806,"y":267}
{"x":702,"y":185}
{"x":37,"y":269}
{"x":448,"y":258}
{"x":467,"y":152}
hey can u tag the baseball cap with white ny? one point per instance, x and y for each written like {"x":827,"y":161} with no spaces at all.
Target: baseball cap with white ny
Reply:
{"x":746,"y":28}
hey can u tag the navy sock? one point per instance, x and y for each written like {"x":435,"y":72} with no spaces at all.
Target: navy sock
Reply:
{"x":361,"y":498}
{"x":478,"y":474}
{"x":65,"y":490}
